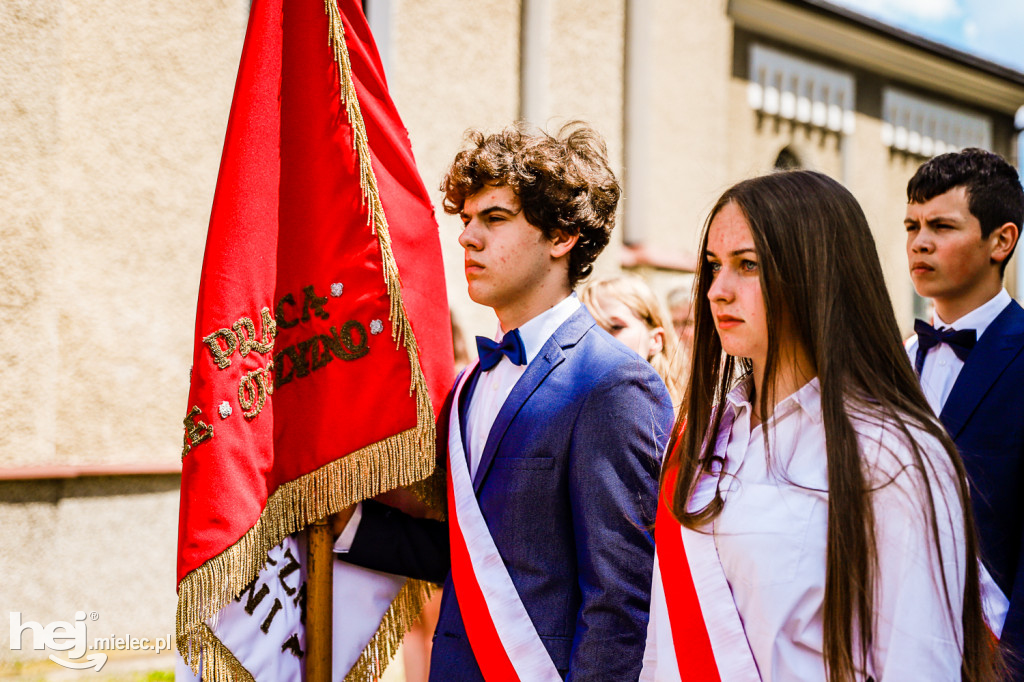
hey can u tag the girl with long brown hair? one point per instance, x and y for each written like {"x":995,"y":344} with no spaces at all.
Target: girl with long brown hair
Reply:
{"x":819,"y":498}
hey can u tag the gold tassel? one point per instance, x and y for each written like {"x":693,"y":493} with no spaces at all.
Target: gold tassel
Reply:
{"x":401,"y":460}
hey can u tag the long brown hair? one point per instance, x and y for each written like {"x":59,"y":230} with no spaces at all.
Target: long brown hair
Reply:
{"x":820,"y":273}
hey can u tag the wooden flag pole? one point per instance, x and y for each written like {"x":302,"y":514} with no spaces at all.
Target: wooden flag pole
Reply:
{"x":319,"y":601}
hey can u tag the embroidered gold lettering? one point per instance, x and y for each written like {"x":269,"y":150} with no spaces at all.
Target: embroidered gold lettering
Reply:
{"x":320,"y":354}
{"x":301,"y":359}
{"x":343,"y":345}
{"x":245,"y":330}
{"x":195,"y":431}
{"x":315,"y":302}
{"x":279,"y":312}
{"x":221,"y":354}
{"x":252,"y":392}
{"x":282,"y":378}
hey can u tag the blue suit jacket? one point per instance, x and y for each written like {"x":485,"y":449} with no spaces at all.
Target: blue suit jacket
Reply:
{"x":568,"y":486}
{"x":984,"y":415}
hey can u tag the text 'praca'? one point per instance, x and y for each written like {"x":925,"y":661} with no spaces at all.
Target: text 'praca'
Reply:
{"x":350,"y":341}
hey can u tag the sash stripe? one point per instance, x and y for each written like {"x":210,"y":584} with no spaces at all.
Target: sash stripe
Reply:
{"x":689,"y":633}
{"x":504,"y":640}
{"x":707,"y":640}
{"x":483,"y":637}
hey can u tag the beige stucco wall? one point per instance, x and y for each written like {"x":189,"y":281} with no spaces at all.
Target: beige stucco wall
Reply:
{"x":586,"y":81}
{"x":879,"y":181}
{"x":103,"y":544}
{"x":687,"y":147}
{"x":457,"y":67}
{"x":112,"y":117}
{"x":29,"y":225}
{"x":453,"y":70}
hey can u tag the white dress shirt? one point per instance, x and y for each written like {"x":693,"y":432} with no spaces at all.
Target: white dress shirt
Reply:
{"x":941,"y":365}
{"x":494,"y":385}
{"x":771,"y":540}
{"x":491,"y":391}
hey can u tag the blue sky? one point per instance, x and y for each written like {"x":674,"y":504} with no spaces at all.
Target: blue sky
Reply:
{"x":992,"y":29}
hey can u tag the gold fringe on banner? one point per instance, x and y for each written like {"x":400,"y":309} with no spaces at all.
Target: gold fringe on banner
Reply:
{"x":404,"y":611}
{"x":220,"y":664}
{"x":401,"y":460}
{"x":224,"y":667}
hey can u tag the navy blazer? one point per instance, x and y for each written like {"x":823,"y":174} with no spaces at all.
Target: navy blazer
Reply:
{"x":984,"y":415}
{"x":567,"y":484}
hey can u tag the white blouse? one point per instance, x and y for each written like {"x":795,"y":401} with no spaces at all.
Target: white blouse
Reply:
{"x":771,"y":540}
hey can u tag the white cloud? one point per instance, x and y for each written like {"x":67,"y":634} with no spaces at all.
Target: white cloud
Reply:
{"x":997,"y":32}
{"x":925,"y":10}
{"x":991,"y":29}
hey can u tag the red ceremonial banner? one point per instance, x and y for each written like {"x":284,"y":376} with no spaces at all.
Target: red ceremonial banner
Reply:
{"x":322,"y":331}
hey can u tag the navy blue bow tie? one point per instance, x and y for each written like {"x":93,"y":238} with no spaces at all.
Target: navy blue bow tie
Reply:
{"x":961,"y":341}
{"x":490,"y":352}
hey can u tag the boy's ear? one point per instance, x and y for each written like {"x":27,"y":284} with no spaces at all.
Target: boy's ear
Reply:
{"x":1002,"y":240}
{"x":562,"y":243}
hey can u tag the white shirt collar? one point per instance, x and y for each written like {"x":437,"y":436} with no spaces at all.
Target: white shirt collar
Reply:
{"x":807,"y":398}
{"x":538,"y":330}
{"x":981,"y":317}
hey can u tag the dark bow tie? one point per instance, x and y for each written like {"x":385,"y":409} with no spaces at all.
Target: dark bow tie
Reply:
{"x":961,"y":341}
{"x":490,"y":352}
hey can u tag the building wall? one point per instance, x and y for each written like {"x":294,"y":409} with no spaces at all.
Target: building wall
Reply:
{"x":113,"y":117}
{"x":459,"y":68}
{"x":875,"y":174}
{"x":96,"y":544}
{"x":690,"y":102}
{"x":29,"y":225}
{"x":587,"y":81}
{"x":452,"y":70}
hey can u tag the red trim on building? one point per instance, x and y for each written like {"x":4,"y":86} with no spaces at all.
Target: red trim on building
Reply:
{"x":79,"y":470}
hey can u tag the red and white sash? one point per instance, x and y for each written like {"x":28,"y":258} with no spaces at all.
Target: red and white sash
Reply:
{"x":504,"y":641}
{"x":695,"y":633}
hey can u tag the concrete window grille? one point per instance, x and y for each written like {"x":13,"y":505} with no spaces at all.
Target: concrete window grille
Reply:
{"x":919,"y":126}
{"x":800,"y":90}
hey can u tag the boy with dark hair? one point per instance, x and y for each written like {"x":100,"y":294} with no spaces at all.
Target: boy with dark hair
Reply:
{"x":964,"y":216}
{"x":554,"y":438}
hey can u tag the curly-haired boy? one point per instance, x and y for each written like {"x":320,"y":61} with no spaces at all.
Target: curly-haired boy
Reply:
{"x":554,"y":438}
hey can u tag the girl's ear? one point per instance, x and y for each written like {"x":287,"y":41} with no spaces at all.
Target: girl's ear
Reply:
{"x":562,"y":243}
{"x":657,"y":342}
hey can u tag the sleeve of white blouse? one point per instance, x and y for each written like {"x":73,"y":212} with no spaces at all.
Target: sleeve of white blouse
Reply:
{"x":919,"y":598}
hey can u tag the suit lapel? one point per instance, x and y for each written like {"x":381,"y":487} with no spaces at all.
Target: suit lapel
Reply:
{"x":997,"y":347}
{"x":552,"y":354}
{"x":467,"y":392}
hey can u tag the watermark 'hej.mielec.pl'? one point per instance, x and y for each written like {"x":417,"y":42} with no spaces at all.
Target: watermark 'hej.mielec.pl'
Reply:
{"x":72,"y":637}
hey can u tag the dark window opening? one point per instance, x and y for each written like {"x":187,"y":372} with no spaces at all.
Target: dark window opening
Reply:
{"x":787,"y":160}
